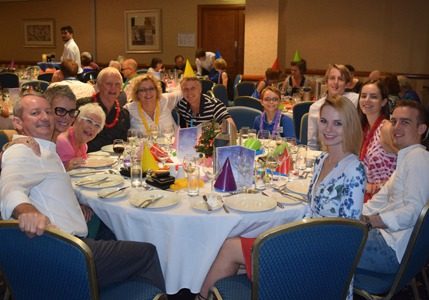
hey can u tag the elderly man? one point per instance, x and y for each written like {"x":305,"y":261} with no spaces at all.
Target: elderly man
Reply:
{"x":392,"y":213}
{"x":71,"y":50}
{"x":109,"y":82}
{"x":129,"y":70}
{"x":37,"y":192}
{"x":196,"y":108}
{"x":69,"y":71}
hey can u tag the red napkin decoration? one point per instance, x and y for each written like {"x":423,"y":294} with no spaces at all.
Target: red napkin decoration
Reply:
{"x":286,"y":164}
{"x":157,"y":151}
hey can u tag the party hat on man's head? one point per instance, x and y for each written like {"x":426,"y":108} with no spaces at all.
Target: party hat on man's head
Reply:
{"x":225,"y":182}
{"x":147,"y":160}
{"x":296,"y":57}
{"x":189,"y":72}
{"x":276,"y":65}
{"x":218,"y":55}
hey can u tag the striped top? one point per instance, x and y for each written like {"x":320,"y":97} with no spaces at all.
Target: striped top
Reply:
{"x":210,"y":108}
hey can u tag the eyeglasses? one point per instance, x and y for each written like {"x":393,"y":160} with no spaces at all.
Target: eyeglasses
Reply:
{"x":91,"y":122}
{"x":268,"y":99}
{"x":61,"y":111}
{"x":148,"y":90}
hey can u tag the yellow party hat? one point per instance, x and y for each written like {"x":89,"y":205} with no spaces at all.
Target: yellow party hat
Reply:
{"x":296,"y":57}
{"x":189,"y":72}
{"x":147,"y":160}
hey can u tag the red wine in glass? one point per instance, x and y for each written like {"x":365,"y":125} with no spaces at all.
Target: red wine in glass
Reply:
{"x":118,"y":149}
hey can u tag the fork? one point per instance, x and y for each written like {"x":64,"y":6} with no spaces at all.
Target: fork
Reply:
{"x":92,"y":182}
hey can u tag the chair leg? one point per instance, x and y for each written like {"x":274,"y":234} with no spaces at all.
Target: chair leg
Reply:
{"x":414,"y":289}
{"x":425,"y":280}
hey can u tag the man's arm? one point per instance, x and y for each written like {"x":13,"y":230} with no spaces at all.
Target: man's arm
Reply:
{"x":31,"y":221}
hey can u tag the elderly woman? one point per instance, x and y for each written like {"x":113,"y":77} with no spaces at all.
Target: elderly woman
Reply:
{"x":377,"y":153}
{"x":72,"y":144}
{"x":296,"y":80}
{"x":151,"y":107}
{"x":336,"y":189}
{"x":272,"y":119}
{"x":337,"y":77}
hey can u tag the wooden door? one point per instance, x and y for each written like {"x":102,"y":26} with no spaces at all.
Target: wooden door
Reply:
{"x":221,"y":27}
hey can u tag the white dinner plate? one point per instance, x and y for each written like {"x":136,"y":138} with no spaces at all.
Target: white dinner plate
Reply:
{"x":112,"y":193}
{"x":108,"y":148}
{"x":250,"y":202}
{"x":298,"y":186}
{"x":81,"y":172}
{"x":168,"y":198}
{"x":200,"y":205}
{"x":99,"y":153}
{"x":100,"y":181}
{"x":99,"y":162}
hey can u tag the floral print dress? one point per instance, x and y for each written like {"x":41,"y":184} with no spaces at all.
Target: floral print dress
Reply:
{"x":340,"y":193}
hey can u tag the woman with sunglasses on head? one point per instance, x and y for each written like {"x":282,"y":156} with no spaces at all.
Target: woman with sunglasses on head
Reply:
{"x":150,"y":107}
{"x":272,"y":119}
{"x":72,"y":144}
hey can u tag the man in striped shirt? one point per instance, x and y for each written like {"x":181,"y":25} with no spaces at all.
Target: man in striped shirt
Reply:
{"x":196,"y":108}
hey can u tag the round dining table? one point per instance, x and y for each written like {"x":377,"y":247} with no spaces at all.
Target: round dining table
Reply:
{"x":187,"y":239}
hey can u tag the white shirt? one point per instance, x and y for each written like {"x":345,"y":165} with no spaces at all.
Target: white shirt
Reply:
{"x":313,"y":119}
{"x":42,"y":182}
{"x":79,"y":88}
{"x":206,"y":64}
{"x":71,"y":51}
{"x":167,"y":103}
{"x":401,"y":199}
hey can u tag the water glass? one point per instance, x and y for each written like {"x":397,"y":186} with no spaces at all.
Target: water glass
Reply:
{"x":136,"y":174}
{"x":193,"y":182}
{"x":244,"y":135}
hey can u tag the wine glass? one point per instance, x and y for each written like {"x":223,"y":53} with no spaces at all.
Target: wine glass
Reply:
{"x":301,"y":159}
{"x":244,"y":134}
{"x":265,"y":137}
{"x":189,"y":163}
{"x":154,"y":132}
{"x":132,"y":137}
{"x":168,"y":132}
{"x":207,"y":166}
{"x":191,"y":168}
{"x":293,"y":150}
{"x":118,"y":148}
{"x":271,"y":163}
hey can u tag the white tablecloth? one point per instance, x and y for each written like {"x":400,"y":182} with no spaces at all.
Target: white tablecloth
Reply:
{"x":187,"y":241}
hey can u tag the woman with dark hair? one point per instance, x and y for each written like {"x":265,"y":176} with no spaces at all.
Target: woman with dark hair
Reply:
{"x":377,"y":153}
{"x":296,"y":80}
{"x":156,"y":67}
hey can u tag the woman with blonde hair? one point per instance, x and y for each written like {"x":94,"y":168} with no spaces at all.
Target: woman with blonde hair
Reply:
{"x":220,"y":77}
{"x":150,"y":107}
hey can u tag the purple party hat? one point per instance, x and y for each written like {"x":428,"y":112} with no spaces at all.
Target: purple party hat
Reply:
{"x":225,"y":182}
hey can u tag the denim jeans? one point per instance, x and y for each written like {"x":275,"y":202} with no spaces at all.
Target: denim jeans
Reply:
{"x":377,"y":256}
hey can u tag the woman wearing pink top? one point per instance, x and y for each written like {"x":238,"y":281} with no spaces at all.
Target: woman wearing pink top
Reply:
{"x":72,"y":144}
{"x":377,"y":153}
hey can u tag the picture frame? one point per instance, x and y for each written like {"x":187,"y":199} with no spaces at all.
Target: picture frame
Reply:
{"x":143,"y":31}
{"x":39,"y":33}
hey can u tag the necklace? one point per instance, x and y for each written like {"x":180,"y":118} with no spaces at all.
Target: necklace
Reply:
{"x":143,"y":118}
{"x":118,"y":111}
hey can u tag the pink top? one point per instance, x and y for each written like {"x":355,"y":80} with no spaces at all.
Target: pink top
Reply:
{"x":379,"y":164}
{"x":67,"y":148}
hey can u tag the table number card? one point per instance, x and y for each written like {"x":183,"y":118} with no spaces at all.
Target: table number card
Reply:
{"x":242,"y":163}
{"x":186,"y":140}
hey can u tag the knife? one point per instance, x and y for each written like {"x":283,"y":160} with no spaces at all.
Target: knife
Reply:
{"x":207,"y":203}
{"x":114,"y":192}
{"x":148,"y":202}
{"x":92,"y":182}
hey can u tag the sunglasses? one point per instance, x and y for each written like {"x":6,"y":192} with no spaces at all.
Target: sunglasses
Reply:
{"x":61,"y":111}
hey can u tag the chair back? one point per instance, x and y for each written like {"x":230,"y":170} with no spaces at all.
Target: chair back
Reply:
{"x":6,"y":136}
{"x":220,"y":92}
{"x":304,"y":130}
{"x":45,"y":77}
{"x":90,"y":76}
{"x":206,"y":85}
{"x":37,"y":85}
{"x":9,"y":80}
{"x":244,"y":88}
{"x":299,"y":109}
{"x":243,"y":116}
{"x":308,"y":259}
{"x":54,"y":265}
{"x":249,"y":102}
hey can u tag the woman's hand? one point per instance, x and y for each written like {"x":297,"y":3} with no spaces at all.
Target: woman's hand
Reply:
{"x":75,"y":163}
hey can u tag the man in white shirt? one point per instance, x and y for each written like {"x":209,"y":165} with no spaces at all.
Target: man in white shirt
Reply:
{"x":204,"y":61}
{"x":71,"y":50}
{"x":392,"y":213}
{"x":36,"y":190}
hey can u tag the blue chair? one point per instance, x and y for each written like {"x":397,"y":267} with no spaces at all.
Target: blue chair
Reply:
{"x":299,"y":109}
{"x":303,"y":134}
{"x":45,"y":77}
{"x":249,"y":102}
{"x":206,"y":85}
{"x":9,"y":80}
{"x":37,"y":85}
{"x":308,"y":259}
{"x":372,"y":285}
{"x":220,"y":92}
{"x":243,"y":116}
{"x":244,"y":88}
{"x":56,"y":265}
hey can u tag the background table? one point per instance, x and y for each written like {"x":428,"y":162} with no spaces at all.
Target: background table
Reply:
{"x":187,"y":241}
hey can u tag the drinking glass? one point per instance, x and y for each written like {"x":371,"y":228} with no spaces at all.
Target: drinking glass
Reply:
{"x":251,"y":134}
{"x":244,"y":134}
{"x":260,"y":175}
{"x":207,"y":167}
{"x":136,"y":173}
{"x":265,"y":137}
{"x":168,"y":133}
{"x":271,"y":163}
{"x":119,"y":148}
{"x":301,"y":159}
{"x":132,"y":137}
{"x":154,"y":132}
{"x":192,"y":170}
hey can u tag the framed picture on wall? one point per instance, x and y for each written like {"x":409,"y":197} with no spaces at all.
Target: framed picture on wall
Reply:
{"x":39,"y":33}
{"x":143,"y":31}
